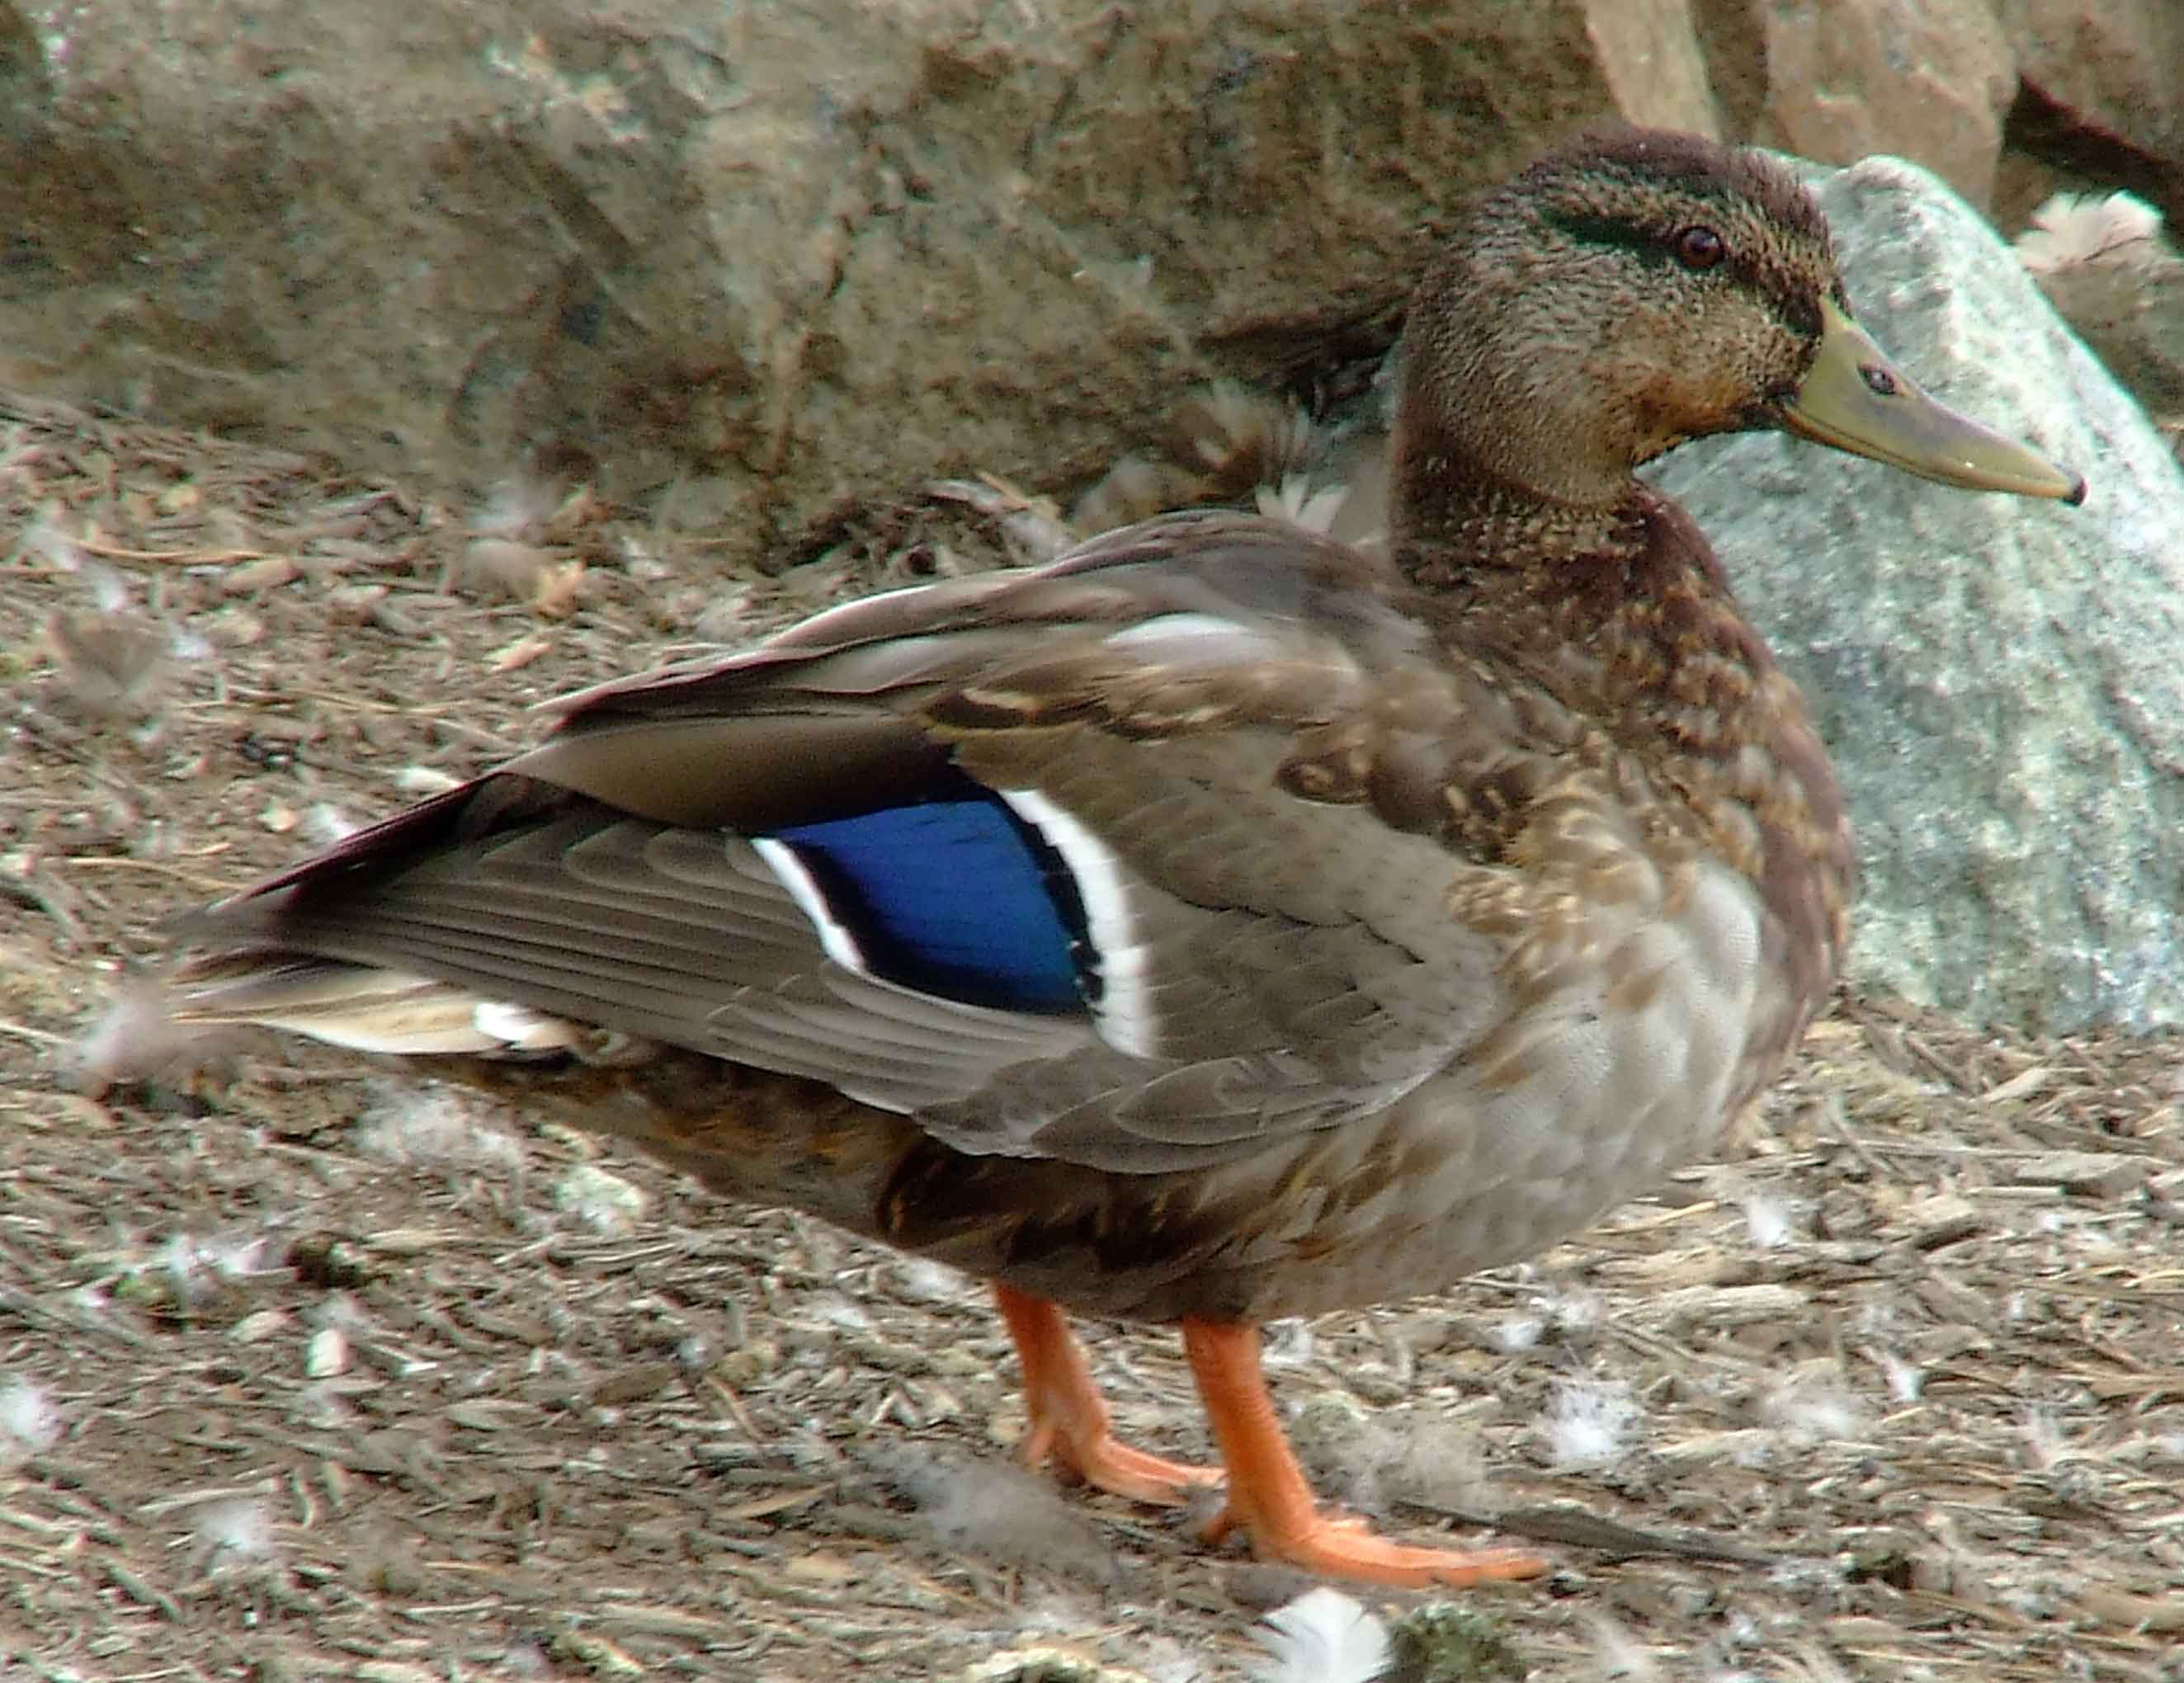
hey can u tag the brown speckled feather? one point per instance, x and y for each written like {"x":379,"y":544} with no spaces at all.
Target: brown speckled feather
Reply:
{"x":1374,"y":882}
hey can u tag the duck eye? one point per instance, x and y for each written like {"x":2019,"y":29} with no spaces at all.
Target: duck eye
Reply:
{"x":1699,"y":247}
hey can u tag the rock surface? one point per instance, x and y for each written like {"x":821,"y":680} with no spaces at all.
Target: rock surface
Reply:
{"x":1931,"y":81}
{"x":760,"y":261}
{"x":2103,"y":90}
{"x":1998,"y":681}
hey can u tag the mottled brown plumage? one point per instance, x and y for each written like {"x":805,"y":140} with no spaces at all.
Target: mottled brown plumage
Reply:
{"x":1410,"y":908}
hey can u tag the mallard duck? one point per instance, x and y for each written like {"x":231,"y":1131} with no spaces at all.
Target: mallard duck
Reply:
{"x":1220,"y":923}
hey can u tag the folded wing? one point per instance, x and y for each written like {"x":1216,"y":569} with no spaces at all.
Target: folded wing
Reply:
{"x":1085,"y":863}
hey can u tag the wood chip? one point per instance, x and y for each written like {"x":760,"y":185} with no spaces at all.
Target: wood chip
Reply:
{"x":633,"y":1385}
{"x":327,"y":1353}
{"x":1943,"y":1220}
{"x":355,"y":604}
{"x":2021,"y":1085}
{"x":2132,"y":1613}
{"x":760,"y":1507}
{"x":521,"y":652}
{"x":2087,"y":1174}
{"x":597,"y":1655}
{"x":1734,"y":1305}
{"x":819,"y":1567}
{"x":254,"y":578}
{"x":558,"y":592}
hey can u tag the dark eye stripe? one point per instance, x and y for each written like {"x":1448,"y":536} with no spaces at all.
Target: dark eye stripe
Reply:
{"x":1610,"y":230}
{"x":1656,"y":247}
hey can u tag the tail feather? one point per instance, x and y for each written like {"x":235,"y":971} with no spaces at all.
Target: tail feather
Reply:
{"x":362,"y":1008}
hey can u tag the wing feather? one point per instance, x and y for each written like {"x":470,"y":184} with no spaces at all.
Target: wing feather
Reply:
{"x":1268,"y":962}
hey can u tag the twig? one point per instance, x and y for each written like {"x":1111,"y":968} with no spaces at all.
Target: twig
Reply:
{"x":202,"y":558}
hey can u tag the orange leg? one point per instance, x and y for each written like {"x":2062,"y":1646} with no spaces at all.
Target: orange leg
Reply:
{"x":1069,"y":1419}
{"x":1269,"y":1498}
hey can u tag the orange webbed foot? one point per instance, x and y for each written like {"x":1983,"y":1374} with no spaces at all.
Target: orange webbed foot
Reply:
{"x":1335,"y":1547}
{"x":1104,"y":1462}
{"x":1069,"y":1421}
{"x":1270,"y":1501}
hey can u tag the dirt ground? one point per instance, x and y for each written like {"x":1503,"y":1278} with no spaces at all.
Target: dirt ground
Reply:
{"x":308,"y":1370}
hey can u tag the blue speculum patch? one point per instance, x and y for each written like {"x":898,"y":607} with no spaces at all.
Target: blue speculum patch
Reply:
{"x":958,"y":897}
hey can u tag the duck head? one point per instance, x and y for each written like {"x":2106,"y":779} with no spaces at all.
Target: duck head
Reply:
{"x":1638,"y":289}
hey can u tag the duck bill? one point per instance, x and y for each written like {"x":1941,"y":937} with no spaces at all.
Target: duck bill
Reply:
{"x":1856,"y":399}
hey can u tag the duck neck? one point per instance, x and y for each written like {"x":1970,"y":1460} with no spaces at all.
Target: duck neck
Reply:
{"x":1622,"y":613}
{"x":1612,"y":603}
{"x":1484,"y":498}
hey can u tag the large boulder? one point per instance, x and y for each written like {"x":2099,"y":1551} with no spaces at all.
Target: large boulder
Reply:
{"x":761,"y":260}
{"x":754,"y":265}
{"x":1931,"y":81}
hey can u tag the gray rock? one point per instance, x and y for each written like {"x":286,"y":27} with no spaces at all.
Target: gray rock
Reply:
{"x":2001,"y":682}
{"x":757,"y":264}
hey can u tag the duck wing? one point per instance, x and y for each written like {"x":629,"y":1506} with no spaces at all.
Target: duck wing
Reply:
{"x":1134,"y":861}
